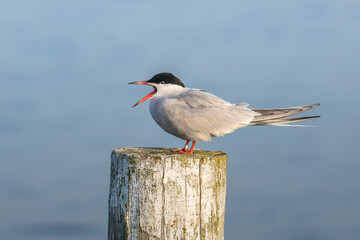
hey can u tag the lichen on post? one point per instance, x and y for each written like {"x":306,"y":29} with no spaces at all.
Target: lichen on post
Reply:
{"x":158,"y":194}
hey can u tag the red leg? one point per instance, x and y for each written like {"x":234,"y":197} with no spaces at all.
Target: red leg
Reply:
{"x":184,"y":150}
{"x":192,"y":147}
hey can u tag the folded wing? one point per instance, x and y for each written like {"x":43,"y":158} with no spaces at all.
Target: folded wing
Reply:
{"x":203,"y":115}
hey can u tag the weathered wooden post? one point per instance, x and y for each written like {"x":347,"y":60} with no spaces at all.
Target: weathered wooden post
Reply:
{"x":158,"y":194}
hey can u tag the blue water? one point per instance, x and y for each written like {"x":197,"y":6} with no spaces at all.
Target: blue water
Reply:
{"x":65,"y":105}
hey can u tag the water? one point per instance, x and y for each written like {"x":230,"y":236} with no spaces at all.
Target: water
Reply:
{"x":65,"y":105}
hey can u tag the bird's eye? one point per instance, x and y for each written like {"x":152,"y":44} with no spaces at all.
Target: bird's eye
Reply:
{"x":162,"y":82}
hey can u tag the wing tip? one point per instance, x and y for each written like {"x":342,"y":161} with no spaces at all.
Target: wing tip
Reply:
{"x":315,"y":105}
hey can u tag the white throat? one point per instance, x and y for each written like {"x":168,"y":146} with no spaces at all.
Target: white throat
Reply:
{"x":164,"y":90}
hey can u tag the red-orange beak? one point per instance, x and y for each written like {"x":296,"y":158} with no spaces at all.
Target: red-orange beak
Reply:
{"x":150,"y":95}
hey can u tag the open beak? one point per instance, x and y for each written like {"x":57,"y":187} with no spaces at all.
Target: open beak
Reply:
{"x":150,"y":95}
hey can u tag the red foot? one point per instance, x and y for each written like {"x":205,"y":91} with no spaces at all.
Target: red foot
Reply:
{"x":184,"y":150}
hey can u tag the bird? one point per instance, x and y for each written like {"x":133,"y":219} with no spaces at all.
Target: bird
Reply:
{"x":197,"y":115}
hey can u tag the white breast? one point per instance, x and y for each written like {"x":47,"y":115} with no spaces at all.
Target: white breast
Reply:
{"x":162,"y":111}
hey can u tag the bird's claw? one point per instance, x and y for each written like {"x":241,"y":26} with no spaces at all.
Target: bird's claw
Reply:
{"x":183,"y":151}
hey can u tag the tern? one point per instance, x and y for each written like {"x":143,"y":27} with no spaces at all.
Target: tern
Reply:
{"x":197,"y":115}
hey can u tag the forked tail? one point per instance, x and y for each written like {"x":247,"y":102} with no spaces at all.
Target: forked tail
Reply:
{"x":280,"y":116}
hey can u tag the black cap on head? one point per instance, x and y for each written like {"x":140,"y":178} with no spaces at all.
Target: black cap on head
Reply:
{"x":166,"y":78}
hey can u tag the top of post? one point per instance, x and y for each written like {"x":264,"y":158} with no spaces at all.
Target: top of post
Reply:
{"x":166,"y":152}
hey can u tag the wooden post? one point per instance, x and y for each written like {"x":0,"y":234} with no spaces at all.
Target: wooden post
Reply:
{"x":158,"y":194}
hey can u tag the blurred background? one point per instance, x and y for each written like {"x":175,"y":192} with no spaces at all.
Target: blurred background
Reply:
{"x":65,"y":104}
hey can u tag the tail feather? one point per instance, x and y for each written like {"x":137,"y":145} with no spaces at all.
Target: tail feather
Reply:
{"x":280,"y":121}
{"x":280,"y":116}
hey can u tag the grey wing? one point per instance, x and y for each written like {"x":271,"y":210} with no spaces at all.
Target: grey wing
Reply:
{"x":280,"y":115}
{"x":268,"y":114}
{"x":205,"y":115}
{"x":200,"y":98}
